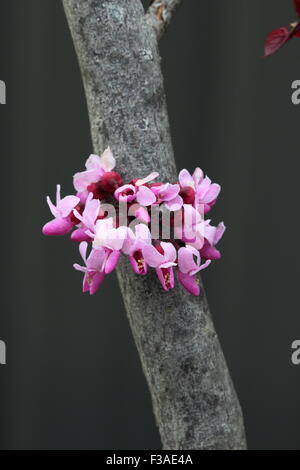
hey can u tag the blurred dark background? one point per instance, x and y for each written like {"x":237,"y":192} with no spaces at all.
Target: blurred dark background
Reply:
{"x":73,"y":378}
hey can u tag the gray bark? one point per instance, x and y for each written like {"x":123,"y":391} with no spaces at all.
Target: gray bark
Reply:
{"x":194,"y":401}
{"x":160,"y":13}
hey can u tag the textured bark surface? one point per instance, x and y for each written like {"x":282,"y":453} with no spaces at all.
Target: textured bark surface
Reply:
{"x":194,"y":401}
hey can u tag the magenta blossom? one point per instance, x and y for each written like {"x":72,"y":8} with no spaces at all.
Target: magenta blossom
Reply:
{"x":137,"y":191}
{"x":195,"y":189}
{"x":206,"y":194}
{"x":189,"y":226}
{"x":212,"y":236}
{"x":87,"y":219}
{"x":127,"y":193}
{"x":144,"y":195}
{"x":95,"y":168}
{"x":189,"y":261}
{"x":162,"y":258}
{"x":107,"y":236}
{"x":104,"y":206}
{"x":133,"y":247}
{"x":189,"y":264}
{"x":169,"y":195}
{"x":93,"y":269}
{"x":189,"y":184}
{"x":63,"y":222}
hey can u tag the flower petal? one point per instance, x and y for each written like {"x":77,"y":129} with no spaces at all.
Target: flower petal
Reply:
{"x":198,"y":176}
{"x":145,"y":196}
{"x":185,"y":179}
{"x":83,"y":269}
{"x":83,"y":179}
{"x":175,"y":204}
{"x":52,"y":207}
{"x":169,"y":250}
{"x":219,"y":232}
{"x":82,"y":250}
{"x":147,"y":179}
{"x":168,"y":192}
{"x":80,"y":235}
{"x":210,"y":252}
{"x":142,"y":215}
{"x":67,"y":204}
{"x":186,"y":260}
{"x":189,"y":283}
{"x":93,"y":163}
{"x":58,"y":227}
{"x":97,"y":280}
{"x":212,"y":193}
{"x":107,"y":160}
{"x":112,"y":261}
{"x":143,"y":233}
{"x":152,"y":256}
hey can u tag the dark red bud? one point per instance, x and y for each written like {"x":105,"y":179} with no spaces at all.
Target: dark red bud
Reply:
{"x":188,"y":195}
{"x":96,"y":190}
{"x":110,"y":181}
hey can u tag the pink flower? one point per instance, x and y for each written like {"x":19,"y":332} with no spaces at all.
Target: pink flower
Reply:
{"x":63,"y":211}
{"x":87,"y":219}
{"x":107,"y":236}
{"x":90,"y":213}
{"x":137,"y":190}
{"x":169,"y":194}
{"x":189,"y":184}
{"x":127,"y":193}
{"x":188,"y":180}
{"x":95,"y":168}
{"x":93,"y":269}
{"x":207,"y":193}
{"x":144,"y":195}
{"x":162,"y":258}
{"x":133,"y":247}
{"x":212,"y":236}
{"x":104,"y":205}
{"x":189,"y":261}
{"x":197,"y":189}
{"x":189,"y":264}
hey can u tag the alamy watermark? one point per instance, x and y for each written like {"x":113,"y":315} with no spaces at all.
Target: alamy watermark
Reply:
{"x":296,"y":92}
{"x":295,"y":358}
{"x":2,"y":353}
{"x":2,"y":92}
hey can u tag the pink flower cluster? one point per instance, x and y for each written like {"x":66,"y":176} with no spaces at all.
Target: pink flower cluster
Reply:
{"x":95,"y":216}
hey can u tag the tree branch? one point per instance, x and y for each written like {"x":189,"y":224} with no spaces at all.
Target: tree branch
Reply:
{"x":160,"y":14}
{"x":193,"y":397}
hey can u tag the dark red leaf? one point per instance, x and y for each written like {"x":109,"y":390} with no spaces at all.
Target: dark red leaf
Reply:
{"x":297,"y":6}
{"x":276,"y":39}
